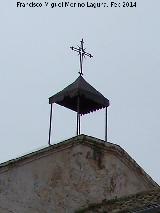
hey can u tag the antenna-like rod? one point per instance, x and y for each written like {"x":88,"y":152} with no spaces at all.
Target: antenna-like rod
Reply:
{"x":82,"y":53}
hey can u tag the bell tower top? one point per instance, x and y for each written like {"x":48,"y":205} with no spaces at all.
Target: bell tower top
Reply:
{"x":79,"y":96}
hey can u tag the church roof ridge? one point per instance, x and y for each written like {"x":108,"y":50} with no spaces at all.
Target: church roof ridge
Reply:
{"x":93,"y":142}
{"x":79,"y":138}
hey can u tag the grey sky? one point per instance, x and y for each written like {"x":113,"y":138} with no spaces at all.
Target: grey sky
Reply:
{"x":36,"y":62}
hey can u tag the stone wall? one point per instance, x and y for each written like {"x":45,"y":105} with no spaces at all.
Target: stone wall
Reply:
{"x":68,"y":177}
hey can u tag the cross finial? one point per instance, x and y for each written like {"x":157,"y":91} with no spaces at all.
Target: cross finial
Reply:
{"x":82,"y":53}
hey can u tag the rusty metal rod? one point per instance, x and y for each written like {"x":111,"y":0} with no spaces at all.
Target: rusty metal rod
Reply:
{"x":106,"y":126}
{"x":50,"y":127}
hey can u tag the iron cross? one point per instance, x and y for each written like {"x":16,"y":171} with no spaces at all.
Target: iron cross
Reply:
{"x":82,"y":53}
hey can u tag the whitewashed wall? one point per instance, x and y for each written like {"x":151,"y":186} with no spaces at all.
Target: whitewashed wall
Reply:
{"x":67,"y":178}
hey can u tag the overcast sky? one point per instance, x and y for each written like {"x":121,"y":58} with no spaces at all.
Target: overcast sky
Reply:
{"x":36,"y":62}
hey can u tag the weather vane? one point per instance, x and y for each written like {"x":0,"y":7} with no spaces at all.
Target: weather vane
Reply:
{"x":82,"y":53}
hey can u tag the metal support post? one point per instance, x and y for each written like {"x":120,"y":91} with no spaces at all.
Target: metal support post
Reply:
{"x":50,"y":127}
{"x":106,"y":126}
{"x":78,"y":116}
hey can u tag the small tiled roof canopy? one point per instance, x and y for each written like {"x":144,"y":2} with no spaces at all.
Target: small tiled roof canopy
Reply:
{"x":89,"y":98}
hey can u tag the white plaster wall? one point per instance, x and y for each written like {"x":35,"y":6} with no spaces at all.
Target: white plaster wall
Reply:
{"x":67,"y":180}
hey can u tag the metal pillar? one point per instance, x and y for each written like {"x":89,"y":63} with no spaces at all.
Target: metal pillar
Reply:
{"x":79,"y":124}
{"x":106,"y":126}
{"x":50,"y":127}
{"x":78,"y":116}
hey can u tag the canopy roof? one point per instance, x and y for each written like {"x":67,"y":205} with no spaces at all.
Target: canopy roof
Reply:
{"x":89,"y":98}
